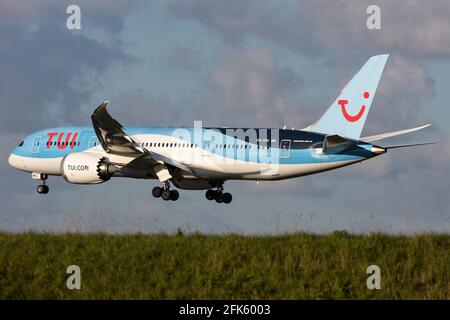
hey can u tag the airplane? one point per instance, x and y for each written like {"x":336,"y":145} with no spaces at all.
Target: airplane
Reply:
{"x":201,"y":158}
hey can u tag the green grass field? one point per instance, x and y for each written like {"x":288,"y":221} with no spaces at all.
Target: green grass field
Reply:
{"x":297,"y":266}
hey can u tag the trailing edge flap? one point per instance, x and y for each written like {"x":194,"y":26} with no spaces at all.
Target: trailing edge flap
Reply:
{"x":115,"y":140}
{"x":335,"y":144}
{"x":154,"y":159}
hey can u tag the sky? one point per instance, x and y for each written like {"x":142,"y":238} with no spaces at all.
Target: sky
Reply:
{"x":229,"y":63}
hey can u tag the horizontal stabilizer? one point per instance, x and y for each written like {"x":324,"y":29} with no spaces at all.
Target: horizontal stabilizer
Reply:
{"x":393,"y":134}
{"x":410,"y":145}
{"x":335,"y":143}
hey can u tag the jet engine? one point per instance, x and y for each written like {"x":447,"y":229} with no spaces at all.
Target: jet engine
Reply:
{"x":87,"y":168}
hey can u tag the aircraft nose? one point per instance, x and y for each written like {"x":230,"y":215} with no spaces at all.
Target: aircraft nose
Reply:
{"x":12,"y":160}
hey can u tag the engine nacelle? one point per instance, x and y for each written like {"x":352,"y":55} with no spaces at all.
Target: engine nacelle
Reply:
{"x":87,"y":168}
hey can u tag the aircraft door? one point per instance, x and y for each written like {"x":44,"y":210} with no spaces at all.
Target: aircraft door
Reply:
{"x":285,"y":148}
{"x":36,"y":143}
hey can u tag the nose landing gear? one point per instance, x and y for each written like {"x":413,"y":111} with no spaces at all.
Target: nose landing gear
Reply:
{"x":165,"y":193}
{"x":42,"y":188}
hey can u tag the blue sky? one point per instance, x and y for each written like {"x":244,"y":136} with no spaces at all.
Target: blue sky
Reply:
{"x":231,"y":63}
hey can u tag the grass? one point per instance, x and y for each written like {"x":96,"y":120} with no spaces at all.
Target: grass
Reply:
{"x":195,"y":266}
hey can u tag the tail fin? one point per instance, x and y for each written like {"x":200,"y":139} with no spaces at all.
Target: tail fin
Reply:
{"x":347,"y":114}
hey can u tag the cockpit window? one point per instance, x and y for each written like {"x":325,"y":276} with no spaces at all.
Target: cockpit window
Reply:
{"x":21,"y":144}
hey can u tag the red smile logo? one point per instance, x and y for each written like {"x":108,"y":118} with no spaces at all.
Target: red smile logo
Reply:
{"x":357,"y":116}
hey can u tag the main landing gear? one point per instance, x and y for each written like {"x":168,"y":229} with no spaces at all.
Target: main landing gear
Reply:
{"x":165,"y":193}
{"x":219,"y":195}
{"x":42,"y":188}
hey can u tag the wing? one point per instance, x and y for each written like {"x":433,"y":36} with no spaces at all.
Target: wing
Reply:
{"x":111,"y":135}
{"x":115,"y":140}
{"x":392,"y":134}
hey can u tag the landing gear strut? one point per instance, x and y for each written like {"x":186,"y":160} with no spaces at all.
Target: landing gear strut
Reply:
{"x":42,"y":188}
{"x":219,"y":195}
{"x":165,"y":193}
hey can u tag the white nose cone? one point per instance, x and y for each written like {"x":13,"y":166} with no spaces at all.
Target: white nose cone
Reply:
{"x":15,"y":161}
{"x":11,"y":160}
{"x":378,"y":150}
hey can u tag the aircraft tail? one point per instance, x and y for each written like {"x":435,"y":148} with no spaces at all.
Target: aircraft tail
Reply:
{"x":346,"y":116}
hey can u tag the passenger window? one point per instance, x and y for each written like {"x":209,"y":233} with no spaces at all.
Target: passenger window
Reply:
{"x":21,"y":144}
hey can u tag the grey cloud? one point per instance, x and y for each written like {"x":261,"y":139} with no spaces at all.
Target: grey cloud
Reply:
{"x":183,"y":58}
{"x":328,"y":28}
{"x":49,"y":72}
{"x":249,"y":87}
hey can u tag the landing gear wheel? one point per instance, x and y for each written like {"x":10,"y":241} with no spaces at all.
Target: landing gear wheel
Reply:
{"x":174,"y":195}
{"x":157,"y":191}
{"x":165,"y":194}
{"x":219,"y":197}
{"x":227,"y":197}
{"x":42,"y":189}
{"x":210,"y":194}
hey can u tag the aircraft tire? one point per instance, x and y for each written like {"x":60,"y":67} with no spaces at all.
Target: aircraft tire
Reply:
{"x":210,"y":194}
{"x":156,"y":192}
{"x":165,"y":195}
{"x":219,"y":197}
{"x":174,"y":195}
{"x":227,"y":197}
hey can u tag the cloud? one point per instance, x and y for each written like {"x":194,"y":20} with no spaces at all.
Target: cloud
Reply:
{"x":328,"y":28}
{"x":183,"y":58}
{"x":249,"y":87}
{"x":48,"y":71}
{"x":413,"y":29}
